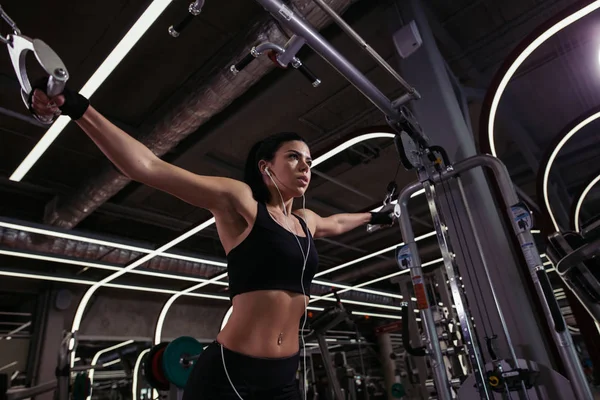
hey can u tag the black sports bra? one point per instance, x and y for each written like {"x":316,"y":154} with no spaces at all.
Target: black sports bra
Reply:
{"x":270,"y":258}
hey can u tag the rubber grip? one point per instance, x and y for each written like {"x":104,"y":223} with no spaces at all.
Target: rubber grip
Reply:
{"x":244,"y":63}
{"x":312,"y":78}
{"x":559,"y":322}
{"x":413,"y":351}
{"x":176,"y":30}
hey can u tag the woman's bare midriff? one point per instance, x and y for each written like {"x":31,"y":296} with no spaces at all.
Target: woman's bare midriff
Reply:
{"x":264,"y":323}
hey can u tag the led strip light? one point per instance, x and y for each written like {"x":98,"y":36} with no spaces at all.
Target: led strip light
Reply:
{"x":553,"y":155}
{"x":521,"y":59}
{"x":104,"y":266}
{"x":140,"y":27}
{"x":390,"y":276}
{"x":100,"y":242}
{"x":43,"y":277}
{"x":580,"y":202}
{"x":371,"y":255}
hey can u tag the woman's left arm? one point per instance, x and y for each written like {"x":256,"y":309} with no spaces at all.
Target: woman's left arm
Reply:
{"x":334,"y":225}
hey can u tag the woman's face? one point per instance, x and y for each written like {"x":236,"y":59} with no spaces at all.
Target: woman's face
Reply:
{"x":290,"y":168}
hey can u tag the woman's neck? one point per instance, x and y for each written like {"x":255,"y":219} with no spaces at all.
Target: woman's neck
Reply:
{"x":276,"y":204}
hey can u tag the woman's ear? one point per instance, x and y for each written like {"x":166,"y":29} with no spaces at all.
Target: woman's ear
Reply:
{"x":262,"y":166}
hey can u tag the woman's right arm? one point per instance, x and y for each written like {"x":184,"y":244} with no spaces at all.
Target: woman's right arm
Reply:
{"x":140,"y":164}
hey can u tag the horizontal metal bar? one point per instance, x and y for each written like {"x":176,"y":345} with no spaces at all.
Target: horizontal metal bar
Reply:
{"x":317,"y":42}
{"x":362,"y":43}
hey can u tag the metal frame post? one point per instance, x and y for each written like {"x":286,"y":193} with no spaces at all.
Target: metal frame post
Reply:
{"x":433,"y":346}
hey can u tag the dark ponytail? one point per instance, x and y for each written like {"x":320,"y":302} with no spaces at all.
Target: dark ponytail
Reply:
{"x":264,"y":150}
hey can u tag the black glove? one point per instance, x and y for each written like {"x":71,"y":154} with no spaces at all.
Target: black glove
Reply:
{"x":74,"y":106}
{"x":381,"y":218}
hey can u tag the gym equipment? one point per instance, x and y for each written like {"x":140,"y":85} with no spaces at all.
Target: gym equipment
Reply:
{"x":398,"y":391}
{"x":18,"y":47}
{"x":328,"y":319}
{"x":434,"y":171}
{"x":167,"y":366}
{"x":178,"y":359}
{"x":280,"y":56}
{"x":574,"y":256}
{"x":81,"y":385}
{"x":397,"y":116}
{"x":325,"y":321}
{"x":152,"y":367}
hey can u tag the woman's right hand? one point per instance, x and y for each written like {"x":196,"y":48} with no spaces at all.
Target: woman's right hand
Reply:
{"x":45,"y":106}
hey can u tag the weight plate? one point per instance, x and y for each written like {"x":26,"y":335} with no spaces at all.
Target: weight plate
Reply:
{"x":153,"y":375}
{"x":398,"y":391}
{"x":175,"y":359}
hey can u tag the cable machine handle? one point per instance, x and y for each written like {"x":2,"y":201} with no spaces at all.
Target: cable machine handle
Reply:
{"x":559,"y":322}
{"x":413,"y":351}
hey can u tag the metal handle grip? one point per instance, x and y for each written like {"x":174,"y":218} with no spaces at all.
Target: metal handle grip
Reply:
{"x":559,"y":322}
{"x":55,"y":86}
{"x":175,"y":30}
{"x":243,"y":64}
{"x":312,"y":78}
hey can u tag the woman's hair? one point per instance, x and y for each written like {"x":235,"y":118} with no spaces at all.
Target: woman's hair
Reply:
{"x":264,"y":150}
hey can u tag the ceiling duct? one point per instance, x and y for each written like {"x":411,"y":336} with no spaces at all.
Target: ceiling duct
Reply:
{"x":193,"y":106}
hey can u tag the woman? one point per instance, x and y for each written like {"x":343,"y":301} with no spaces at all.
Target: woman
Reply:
{"x":270,"y":250}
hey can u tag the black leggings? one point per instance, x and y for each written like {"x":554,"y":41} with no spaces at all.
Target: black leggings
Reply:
{"x":253,"y":378}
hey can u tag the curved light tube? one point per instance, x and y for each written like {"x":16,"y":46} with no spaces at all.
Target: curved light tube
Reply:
{"x":89,"y":293}
{"x":136,"y":372}
{"x":580,"y":201}
{"x":553,"y":155}
{"x":95,"y":361}
{"x":167,"y":306}
{"x":521,"y":59}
